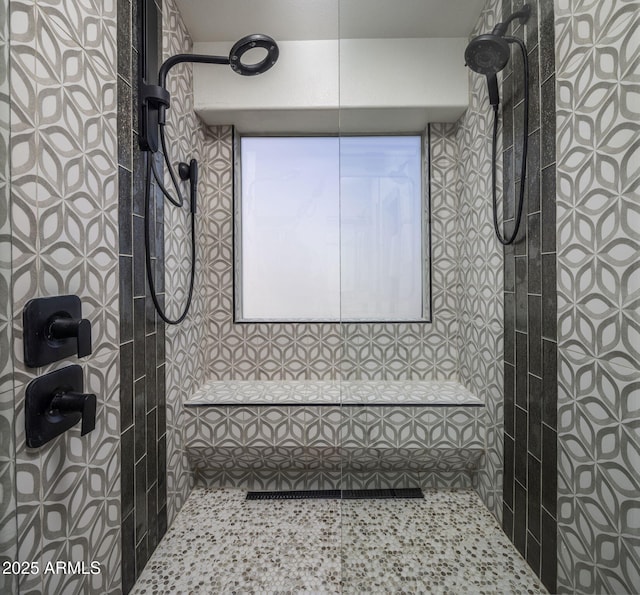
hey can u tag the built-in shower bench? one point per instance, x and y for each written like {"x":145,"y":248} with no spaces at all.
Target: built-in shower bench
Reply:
{"x":325,"y":435}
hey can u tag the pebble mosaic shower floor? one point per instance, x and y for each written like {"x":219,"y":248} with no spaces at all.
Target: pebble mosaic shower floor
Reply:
{"x":445,"y":543}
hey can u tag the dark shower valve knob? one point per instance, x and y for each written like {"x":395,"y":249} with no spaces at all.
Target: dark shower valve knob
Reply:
{"x":67,"y":328}
{"x":55,"y":329}
{"x":56,"y":402}
{"x":68,"y":402}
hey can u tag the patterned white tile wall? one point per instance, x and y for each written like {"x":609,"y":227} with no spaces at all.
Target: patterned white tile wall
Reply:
{"x":290,"y":447}
{"x":392,"y":427}
{"x":6,"y":363}
{"x":65,"y":240}
{"x":318,"y":351}
{"x":480,"y":272}
{"x":598,"y":223}
{"x":8,"y":529}
{"x":185,"y":357}
{"x":598,"y":212}
{"x":327,"y":351}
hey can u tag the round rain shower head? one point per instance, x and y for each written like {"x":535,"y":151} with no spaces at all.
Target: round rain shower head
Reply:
{"x":258,"y":40}
{"x":487,"y":54}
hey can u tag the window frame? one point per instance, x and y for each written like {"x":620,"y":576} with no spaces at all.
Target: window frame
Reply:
{"x":427,"y":242}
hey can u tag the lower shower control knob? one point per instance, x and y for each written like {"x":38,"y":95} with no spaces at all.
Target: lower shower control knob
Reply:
{"x":55,"y":403}
{"x":66,"y":402}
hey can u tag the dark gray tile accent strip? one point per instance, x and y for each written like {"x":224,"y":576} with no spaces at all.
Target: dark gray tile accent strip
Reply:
{"x":530,"y":302}
{"x":142,"y":396}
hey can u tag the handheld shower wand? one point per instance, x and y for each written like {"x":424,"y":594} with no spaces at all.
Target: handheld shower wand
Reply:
{"x":488,"y":54}
{"x":154,"y":102}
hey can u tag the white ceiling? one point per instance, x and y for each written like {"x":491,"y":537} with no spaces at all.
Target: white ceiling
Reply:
{"x":229,"y":20}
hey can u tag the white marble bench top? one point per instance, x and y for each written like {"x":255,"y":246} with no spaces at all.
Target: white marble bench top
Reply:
{"x":345,"y":392}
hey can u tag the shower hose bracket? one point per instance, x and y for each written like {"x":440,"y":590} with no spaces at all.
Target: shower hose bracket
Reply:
{"x":154,"y":101}
{"x":155,"y":95}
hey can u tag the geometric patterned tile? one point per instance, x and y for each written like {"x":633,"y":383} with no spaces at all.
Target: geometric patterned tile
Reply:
{"x":598,"y":289}
{"x":479,"y":274}
{"x":185,"y":369}
{"x":598,"y":486}
{"x":598,"y":207}
{"x":8,"y":529}
{"x":310,"y":425}
{"x":65,"y":240}
{"x":308,"y":351}
{"x":289,"y":458}
{"x":251,"y":445}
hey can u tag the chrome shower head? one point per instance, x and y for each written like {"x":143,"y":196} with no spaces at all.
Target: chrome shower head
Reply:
{"x":250,"y":42}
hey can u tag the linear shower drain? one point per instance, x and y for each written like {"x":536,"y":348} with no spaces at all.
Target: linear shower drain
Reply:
{"x":337,"y":494}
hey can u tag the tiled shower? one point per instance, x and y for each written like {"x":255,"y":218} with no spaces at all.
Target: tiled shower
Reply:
{"x":545,"y":333}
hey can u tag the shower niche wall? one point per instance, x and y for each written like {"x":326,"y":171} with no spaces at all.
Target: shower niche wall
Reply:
{"x":330,"y":380}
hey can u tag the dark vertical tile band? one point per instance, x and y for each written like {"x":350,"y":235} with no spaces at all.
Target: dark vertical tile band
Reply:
{"x":142,"y":395}
{"x":529,"y":489}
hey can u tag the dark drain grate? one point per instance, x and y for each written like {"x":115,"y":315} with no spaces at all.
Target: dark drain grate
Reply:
{"x":337,"y":494}
{"x":380,"y":494}
{"x":300,"y":495}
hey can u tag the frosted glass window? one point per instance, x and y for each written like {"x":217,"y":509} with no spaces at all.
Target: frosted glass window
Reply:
{"x":331,"y":229}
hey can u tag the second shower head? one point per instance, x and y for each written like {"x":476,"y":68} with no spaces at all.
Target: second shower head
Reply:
{"x":155,"y":98}
{"x":489,"y":53}
{"x":251,"y":42}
